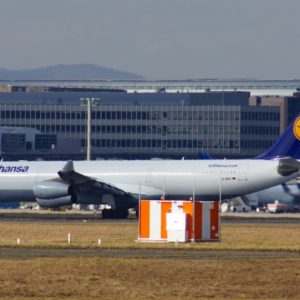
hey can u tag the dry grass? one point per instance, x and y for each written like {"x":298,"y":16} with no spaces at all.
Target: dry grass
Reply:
{"x":119,"y":278}
{"x":99,"y":278}
{"x":123,"y":234}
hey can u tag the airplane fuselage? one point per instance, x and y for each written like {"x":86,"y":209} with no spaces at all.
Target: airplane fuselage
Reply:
{"x":180,"y":179}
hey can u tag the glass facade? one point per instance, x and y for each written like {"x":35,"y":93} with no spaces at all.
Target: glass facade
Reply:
{"x":151,"y":130}
{"x":15,"y":141}
{"x":45,"y":141}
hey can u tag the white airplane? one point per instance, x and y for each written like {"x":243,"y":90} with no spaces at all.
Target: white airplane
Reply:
{"x":287,"y":194}
{"x":121,"y":183}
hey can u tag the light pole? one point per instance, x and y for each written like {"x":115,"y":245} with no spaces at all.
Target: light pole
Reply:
{"x":89,"y":102}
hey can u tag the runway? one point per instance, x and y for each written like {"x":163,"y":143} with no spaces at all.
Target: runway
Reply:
{"x":191,"y":254}
{"x":19,"y":215}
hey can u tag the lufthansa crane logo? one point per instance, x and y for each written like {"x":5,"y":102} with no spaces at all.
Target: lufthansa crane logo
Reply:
{"x":296,"y":128}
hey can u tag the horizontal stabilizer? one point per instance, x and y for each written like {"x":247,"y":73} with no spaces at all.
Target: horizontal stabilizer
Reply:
{"x":288,"y":166}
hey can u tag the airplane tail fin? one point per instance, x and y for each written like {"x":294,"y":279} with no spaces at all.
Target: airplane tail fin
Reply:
{"x":204,"y":155}
{"x":287,"y":145}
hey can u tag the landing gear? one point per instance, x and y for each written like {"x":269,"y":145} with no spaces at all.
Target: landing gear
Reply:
{"x":107,"y":213}
{"x":119,"y":213}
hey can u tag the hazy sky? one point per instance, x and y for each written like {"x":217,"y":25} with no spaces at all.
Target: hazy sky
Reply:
{"x":159,"y":39}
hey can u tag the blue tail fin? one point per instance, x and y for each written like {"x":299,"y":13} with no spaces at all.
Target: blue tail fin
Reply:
{"x":204,"y":155}
{"x":288,"y":144}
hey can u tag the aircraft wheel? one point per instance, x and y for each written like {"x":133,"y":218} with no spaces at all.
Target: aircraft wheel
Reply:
{"x":107,"y":213}
{"x":121,"y":213}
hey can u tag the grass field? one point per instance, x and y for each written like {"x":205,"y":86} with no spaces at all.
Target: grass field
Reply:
{"x":241,"y":236}
{"x":148,"y":278}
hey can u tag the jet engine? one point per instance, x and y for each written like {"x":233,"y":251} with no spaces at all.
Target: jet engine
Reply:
{"x":56,"y":202}
{"x":51,"y":194}
{"x":51,"y":190}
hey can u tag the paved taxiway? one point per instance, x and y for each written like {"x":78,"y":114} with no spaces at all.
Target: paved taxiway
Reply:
{"x":19,"y":215}
{"x":25,"y":253}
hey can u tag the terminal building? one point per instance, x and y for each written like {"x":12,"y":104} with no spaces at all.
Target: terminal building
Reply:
{"x":145,"y":125}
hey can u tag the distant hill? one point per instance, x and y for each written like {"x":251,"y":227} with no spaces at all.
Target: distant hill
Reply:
{"x":68,"y":72}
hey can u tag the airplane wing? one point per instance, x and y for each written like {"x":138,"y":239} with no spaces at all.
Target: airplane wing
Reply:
{"x":82,"y":182}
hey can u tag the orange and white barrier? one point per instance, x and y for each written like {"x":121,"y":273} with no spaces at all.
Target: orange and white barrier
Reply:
{"x":153,"y":219}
